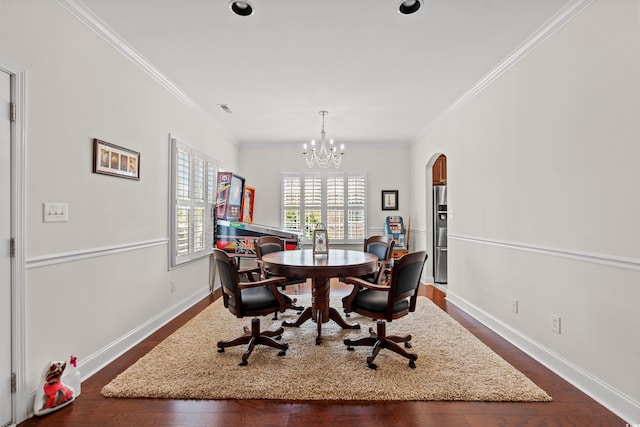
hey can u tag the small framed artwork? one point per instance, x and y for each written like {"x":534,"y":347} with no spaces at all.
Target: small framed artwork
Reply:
{"x":320,"y":240}
{"x":389,"y":200}
{"x":110,"y":159}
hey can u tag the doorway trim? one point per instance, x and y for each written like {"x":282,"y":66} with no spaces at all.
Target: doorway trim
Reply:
{"x":429,"y":211}
{"x":18,"y":232}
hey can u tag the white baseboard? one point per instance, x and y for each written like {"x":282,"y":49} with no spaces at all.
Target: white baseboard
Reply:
{"x":111,"y":352}
{"x":616,"y":402}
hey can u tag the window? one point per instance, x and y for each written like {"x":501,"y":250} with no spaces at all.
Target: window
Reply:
{"x":193,"y":192}
{"x":336,"y":199}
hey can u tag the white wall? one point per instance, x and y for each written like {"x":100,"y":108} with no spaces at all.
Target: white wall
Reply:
{"x":386,"y":168}
{"x":80,"y":88}
{"x":542,"y":170}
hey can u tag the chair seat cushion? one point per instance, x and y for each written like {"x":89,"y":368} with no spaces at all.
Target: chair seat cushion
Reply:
{"x":260,"y":298}
{"x":376,"y":302}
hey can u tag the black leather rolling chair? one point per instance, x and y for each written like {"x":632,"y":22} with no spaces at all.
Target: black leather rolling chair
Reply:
{"x":387,"y":302}
{"x":266,"y":245}
{"x":382,"y":247}
{"x":244,"y":299}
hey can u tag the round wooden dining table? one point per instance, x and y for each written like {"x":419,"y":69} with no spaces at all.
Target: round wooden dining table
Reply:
{"x":320,"y":268}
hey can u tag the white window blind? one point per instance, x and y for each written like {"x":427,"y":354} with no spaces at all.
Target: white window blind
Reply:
{"x":192,"y":199}
{"x":337,"y":199}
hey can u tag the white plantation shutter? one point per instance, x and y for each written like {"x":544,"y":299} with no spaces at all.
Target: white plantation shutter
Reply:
{"x":193,"y":192}
{"x":291,"y":202}
{"x":337,"y":199}
{"x":183,"y":202}
{"x":356,"y":206}
{"x":312,"y":208}
{"x":335,"y":207}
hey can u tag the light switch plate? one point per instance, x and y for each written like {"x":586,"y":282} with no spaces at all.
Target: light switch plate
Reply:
{"x":55,"y":212}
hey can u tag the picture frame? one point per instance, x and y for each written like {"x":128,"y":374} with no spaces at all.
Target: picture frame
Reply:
{"x":389,"y":200}
{"x":320,"y":240}
{"x":111,"y":159}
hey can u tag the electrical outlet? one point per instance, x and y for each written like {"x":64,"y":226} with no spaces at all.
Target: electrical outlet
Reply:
{"x":173,"y":286}
{"x":555,"y":323}
{"x":514,"y":305}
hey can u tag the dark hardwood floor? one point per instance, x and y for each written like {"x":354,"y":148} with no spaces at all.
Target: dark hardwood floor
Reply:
{"x":570,"y":407}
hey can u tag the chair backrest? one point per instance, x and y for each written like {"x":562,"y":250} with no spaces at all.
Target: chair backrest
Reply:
{"x":405,"y":279}
{"x":229,"y":278}
{"x":267,"y":244}
{"x":381,"y":246}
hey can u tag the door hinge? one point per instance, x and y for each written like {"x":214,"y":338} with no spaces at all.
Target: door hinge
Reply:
{"x":13,"y":382}
{"x":12,"y":112}
{"x":12,"y":247}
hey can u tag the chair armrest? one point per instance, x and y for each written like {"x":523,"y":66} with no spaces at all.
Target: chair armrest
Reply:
{"x":249,"y":272}
{"x":359,"y":284}
{"x":275,"y":281}
{"x":387,"y":263}
{"x":271,"y":283}
{"x":364,"y":284}
{"x":384,"y":272}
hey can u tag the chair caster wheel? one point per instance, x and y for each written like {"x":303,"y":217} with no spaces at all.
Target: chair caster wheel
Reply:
{"x":277,"y":337}
{"x":373,"y":366}
{"x":282,"y":353}
{"x":350,"y":348}
{"x":407,"y":345}
{"x":412,"y":364}
{"x":221,"y":350}
{"x":243,"y":363}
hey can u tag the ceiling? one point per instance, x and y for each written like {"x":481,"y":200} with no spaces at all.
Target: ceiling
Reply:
{"x":383,"y":76}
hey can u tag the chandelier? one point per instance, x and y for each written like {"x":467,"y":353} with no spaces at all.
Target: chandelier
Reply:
{"x":323,"y":157}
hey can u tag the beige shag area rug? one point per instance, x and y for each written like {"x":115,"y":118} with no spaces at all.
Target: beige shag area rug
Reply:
{"x":452,"y":364}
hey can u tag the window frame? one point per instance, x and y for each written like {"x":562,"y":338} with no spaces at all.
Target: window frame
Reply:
{"x":324,"y":207}
{"x":201,"y":232}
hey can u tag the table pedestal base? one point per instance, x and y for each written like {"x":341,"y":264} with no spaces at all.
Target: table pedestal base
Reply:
{"x":320,"y":310}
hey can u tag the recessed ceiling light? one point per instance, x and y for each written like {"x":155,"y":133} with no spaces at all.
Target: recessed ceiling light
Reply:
{"x":407,"y":7}
{"x":241,"y":7}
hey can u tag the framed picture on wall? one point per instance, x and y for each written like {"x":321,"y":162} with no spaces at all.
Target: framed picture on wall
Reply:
{"x":110,"y":159}
{"x":389,"y":200}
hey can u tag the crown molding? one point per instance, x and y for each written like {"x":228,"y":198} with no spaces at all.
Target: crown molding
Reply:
{"x":557,"y":21}
{"x":91,"y":20}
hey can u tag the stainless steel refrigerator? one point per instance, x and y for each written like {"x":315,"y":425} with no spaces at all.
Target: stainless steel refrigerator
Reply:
{"x":440,"y":233}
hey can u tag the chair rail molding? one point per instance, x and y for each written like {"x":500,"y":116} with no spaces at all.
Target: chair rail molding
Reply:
{"x":595,"y":258}
{"x":60,"y":258}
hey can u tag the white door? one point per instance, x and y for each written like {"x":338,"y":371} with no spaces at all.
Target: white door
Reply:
{"x":5,"y":253}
